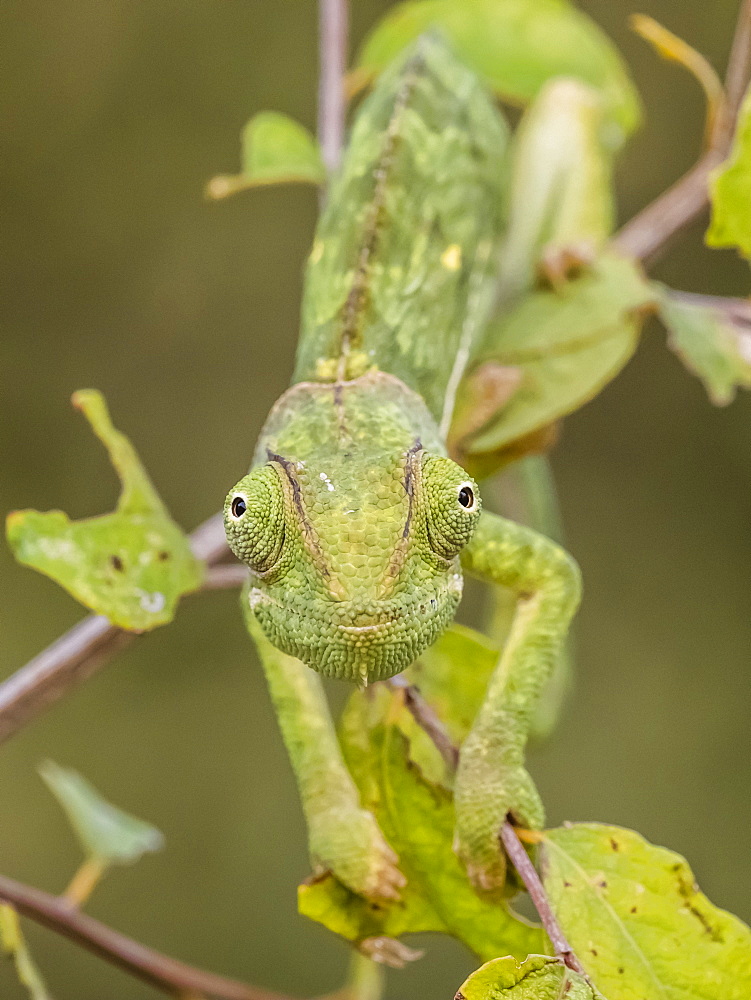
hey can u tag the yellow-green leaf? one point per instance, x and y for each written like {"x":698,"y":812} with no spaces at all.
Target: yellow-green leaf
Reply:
{"x":106,"y":833}
{"x":517,"y":45}
{"x":14,"y":946}
{"x":730,"y":190}
{"x":537,"y":978}
{"x":637,"y":920}
{"x":275,"y":150}
{"x":132,"y":565}
{"x":568,"y":343}
{"x":417,"y":817}
{"x":712,"y":339}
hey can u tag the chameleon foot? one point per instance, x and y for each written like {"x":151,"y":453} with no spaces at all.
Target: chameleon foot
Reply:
{"x":348,"y":843}
{"x":485,"y":795}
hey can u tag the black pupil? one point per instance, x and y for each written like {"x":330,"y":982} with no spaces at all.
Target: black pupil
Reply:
{"x":238,"y":507}
{"x":466,"y":496}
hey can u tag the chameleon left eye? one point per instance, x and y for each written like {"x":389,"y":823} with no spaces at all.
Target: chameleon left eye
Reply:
{"x":452,"y":505}
{"x":466,"y":496}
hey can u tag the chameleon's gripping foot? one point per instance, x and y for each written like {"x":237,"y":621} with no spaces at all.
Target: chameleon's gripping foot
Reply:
{"x":485,"y":796}
{"x":348,"y":843}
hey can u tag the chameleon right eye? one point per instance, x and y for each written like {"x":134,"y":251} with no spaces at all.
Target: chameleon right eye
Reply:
{"x":254,"y":519}
{"x":239,"y":506}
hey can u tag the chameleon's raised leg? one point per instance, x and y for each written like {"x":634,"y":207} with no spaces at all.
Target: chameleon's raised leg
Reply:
{"x":343,"y":838}
{"x":491,"y":780}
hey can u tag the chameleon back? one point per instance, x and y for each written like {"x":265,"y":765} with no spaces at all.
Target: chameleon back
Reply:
{"x":400,"y":277}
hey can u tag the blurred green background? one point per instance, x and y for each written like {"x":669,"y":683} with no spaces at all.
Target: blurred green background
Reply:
{"x":116,"y":273}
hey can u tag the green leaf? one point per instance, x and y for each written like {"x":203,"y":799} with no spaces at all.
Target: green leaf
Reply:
{"x":730,"y":190}
{"x":561,"y":191}
{"x":712,"y":339}
{"x":132,"y":565}
{"x":637,"y":921}
{"x":517,"y":45}
{"x":106,"y":833}
{"x":15,"y":947}
{"x":275,"y":150}
{"x":537,"y":978}
{"x":567,"y":343}
{"x":417,"y":817}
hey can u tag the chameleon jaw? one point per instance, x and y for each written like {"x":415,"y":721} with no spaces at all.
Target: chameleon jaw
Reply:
{"x":332,"y":638}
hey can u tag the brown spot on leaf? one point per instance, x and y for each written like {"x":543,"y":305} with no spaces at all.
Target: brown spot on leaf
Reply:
{"x":163,"y":556}
{"x":117,"y":563}
{"x":621,"y":970}
{"x":614,"y":844}
{"x":566,"y":884}
{"x":633,"y":909}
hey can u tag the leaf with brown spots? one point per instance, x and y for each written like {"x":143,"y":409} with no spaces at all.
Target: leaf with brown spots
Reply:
{"x":637,"y":921}
{"x":132,"y":565}
{"x":415,"y":810}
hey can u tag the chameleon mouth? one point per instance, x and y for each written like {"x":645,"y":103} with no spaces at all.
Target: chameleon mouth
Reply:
{"x":358,"y":641}
{"x":366,"y":629}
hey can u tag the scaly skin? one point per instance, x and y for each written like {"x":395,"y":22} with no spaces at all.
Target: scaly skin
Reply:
{"x":353,"y":520}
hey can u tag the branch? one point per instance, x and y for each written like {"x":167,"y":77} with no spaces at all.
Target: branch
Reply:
{"x":649,"y":232}
{"x":333,"y":18}
{"x":530,"y":878}
{"x":427,"y":719}
{"x":81,"y":651}
{"x":165,"y":973}
{"x":736,"y":310}
{"x":228,"y":577}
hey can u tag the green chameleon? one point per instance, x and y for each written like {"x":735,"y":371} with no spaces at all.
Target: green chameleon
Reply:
{"x":354,"y":522}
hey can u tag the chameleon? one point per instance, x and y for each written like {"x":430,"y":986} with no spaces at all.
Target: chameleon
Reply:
{"x":356,"y":524}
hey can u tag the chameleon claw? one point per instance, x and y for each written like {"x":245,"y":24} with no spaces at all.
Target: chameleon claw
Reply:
{"x":389,"y":951}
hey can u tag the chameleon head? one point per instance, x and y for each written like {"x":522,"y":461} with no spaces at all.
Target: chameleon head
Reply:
{"x":354,"y":573}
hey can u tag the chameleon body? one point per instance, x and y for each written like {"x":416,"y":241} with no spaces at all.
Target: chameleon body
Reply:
{"x":355,"y":523}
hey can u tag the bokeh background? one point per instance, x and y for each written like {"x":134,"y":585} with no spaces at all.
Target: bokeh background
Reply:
{"x":117,"y":274}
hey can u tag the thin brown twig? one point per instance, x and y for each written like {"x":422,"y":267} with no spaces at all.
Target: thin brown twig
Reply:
{"x":333,"y":28}
{"x":737,"y":310}
{"x":228,"y":577}
{"x":652,"y":229}
{"x":162,"y":971}
{"x":427,"y":719}
{"x":532,"y":883}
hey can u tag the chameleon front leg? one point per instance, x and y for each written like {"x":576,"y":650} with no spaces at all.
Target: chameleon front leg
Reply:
{"x":491,"y":780}
{"x":343,"y":838}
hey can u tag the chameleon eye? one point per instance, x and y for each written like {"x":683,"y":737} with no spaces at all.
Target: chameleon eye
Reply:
{"x":238,"y":507}
{"x":466,"y":496}
{"x":254,"y":519}
{"x":452,"y":505}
